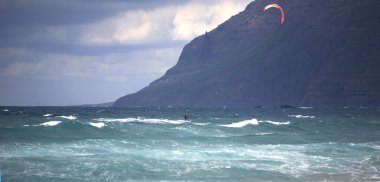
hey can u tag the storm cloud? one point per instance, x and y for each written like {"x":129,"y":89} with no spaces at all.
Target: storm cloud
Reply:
{"x":68,"y":52}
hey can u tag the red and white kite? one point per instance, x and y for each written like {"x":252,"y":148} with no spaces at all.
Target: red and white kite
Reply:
{"x":273,"y":5}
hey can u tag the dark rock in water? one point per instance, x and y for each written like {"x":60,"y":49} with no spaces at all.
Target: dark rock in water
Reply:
{"x":327,"y":53}
{"x":287,"y":107}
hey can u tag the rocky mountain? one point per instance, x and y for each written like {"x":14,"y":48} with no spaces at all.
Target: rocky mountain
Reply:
{"x":327,"y":53}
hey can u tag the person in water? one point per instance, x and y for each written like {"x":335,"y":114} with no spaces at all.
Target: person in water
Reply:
{"x":186,"y":116}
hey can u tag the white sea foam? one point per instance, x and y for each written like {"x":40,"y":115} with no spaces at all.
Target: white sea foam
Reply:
{"x":68,"y":117}
{"x":98,"y":125}
{"x":242,"y":123}
{"x":201,"y":124}
{"x":49,"y":123}
{"x":5,"y":110}
{"x":47,"y":115}
{"x":300,"y":116}
{"x":262,"y":134}
{"x":142,"y":120}
{"x":275,"y":123}
{"x":306,"y":107}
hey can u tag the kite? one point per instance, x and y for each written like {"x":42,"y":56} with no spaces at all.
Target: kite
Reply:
{"x":273,"y":5}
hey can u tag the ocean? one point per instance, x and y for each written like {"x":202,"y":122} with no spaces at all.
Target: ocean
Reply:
{"x":157,"y":144}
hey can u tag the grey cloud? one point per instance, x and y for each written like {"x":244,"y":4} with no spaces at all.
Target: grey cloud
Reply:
{"x":32,"y":78}
{"x":42,"y":61}
{"x":65,"y":12}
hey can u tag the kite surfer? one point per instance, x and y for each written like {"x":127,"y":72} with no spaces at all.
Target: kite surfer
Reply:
{"x":186,"y":117}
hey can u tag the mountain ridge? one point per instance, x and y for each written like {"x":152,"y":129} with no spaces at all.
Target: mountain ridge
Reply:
{"x":325,"y":54}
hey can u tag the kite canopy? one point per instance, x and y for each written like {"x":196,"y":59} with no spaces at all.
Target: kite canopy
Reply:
{"x":273,"y":5}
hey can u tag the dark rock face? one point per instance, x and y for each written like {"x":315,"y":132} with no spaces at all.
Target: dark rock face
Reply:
{"x":327,"y":53}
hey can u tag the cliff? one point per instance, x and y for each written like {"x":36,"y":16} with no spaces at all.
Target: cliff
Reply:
{"x":327,"y":53}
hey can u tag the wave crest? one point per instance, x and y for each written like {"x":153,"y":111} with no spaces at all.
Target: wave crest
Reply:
{"x":71,"y":117}
{"x":242,"y":123}
{"x":49,"y":123}
{"x":275,"y":123}
{"x":98,"y":125}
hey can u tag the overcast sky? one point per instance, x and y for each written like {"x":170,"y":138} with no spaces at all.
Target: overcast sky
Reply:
{"x":70,"y":52}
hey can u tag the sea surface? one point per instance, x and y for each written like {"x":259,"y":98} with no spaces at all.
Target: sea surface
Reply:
{"x":156,"y":144}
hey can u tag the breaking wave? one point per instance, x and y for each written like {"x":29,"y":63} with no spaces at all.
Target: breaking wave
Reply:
{"x":275,"y":123}
{"x":98,"y":125}
{"x":242,"y":123}
{"x":49,"y":123}
{"x":253,"y":122}
{"x":71,"y":117}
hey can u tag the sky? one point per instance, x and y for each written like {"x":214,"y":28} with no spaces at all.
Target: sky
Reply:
{"x":73,"y":52}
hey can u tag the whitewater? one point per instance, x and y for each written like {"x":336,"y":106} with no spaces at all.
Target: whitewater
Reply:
{"x":157,"y":144}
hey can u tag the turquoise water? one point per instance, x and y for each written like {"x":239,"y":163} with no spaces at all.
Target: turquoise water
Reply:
{"x":156,"y":144}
